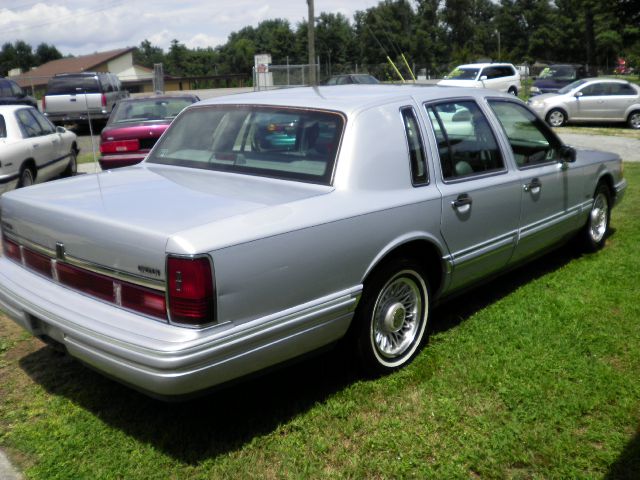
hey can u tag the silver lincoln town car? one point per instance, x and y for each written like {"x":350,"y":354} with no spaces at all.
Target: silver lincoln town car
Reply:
{"x":266,"y":225}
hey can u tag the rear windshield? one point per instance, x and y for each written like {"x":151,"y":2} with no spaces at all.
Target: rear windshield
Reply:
{"x":73,"y":85}
{"x":273,"y":142}
{"x":149,"y":109}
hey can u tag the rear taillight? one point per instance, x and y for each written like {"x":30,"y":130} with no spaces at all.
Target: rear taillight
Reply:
{"x":120,"y":146}
{"x":38,"y":262}
{"x":85,"y":281}
{"x":125,"y":294}
{"x":104,"y":100}
{"x":144,"y":300}
{"x":191,"y":292}
{"x":11,"y":249}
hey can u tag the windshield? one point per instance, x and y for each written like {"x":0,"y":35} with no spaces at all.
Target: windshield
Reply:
{"x":150,"y":109}
{"x":463,"y":74}
{"x":571,"y":86}
{"x":266,"y":141}
{"x":565,"y":73}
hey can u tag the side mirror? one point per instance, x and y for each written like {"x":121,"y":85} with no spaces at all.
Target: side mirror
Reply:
{"x":567,"y":154}
{"x":483,"y":78}
{"x":60,"y":129}
{"x":578,"y":94}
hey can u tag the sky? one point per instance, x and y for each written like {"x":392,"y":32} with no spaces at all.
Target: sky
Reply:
{"x":80,"y":27}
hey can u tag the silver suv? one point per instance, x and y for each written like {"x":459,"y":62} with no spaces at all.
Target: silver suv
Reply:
{"x":73,"y":97}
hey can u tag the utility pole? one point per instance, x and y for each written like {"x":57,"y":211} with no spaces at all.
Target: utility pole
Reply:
{"x":311,"y":40}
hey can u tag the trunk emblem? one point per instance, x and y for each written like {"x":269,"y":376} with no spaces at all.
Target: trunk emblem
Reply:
{"x":60,"y":251}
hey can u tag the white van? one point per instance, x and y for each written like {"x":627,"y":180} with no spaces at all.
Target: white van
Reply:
{"x":498,"y":76}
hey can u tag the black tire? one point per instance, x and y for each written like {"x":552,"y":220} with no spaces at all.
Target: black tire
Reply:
{"x":556,"y":117}
{"x":72,"y":168}
{"x":391,"y":318}
{"x":595,"y":232}
{"x":634,"y":120}
{"x":513,"y":91}
{"x":27,"y":177}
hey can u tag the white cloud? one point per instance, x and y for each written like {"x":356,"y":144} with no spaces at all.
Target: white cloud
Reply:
{"x":86,"y":26}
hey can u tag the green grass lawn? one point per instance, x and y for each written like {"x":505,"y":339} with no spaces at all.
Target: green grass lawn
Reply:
{"x":534,"y":375}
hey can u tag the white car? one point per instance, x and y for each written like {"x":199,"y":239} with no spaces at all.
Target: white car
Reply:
{"x":32,"y":149}
{"x":497,"y":76}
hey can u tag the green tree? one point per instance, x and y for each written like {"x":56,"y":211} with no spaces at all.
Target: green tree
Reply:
{"x":147,"y":55}
{"x":46,"y":53}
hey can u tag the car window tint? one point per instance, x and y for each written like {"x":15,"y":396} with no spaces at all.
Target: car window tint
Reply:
{"x":45,"y":124}
{"x":595,"y":89}
{"x":267,"y":141}
{"x":73,"y":85}
{"x":466,"y":143}
{"x":15,"y":89}
{"x":531,"y":140}
{"x":3,"y":127}
{"x":149,"y":109}
{"x":28,"y":123}
{"x":417,"y":156}
{"x":5,"y":89}
{"x":622,"y":89}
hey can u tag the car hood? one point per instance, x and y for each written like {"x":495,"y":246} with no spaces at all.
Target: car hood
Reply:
{"x":545,"y":96}
{"x":123,"y":217}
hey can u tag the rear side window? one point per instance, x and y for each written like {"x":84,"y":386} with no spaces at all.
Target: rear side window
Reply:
{"x":286,"y":143}
{"x":3,"y":128}
{"x":622,"y":89}
{"x":416,"y":148}
{"x":466,"y":143}
{"x":71,"y":85}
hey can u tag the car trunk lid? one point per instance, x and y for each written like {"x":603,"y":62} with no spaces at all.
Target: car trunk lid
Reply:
{"x":122,"y":219}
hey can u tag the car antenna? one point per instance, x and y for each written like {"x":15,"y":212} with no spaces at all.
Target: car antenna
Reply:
{"x":93,"y":144}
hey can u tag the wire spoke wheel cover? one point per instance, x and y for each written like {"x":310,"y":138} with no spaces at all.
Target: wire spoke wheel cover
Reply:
{"x":599,"y":217}
{"x":398,"y":318}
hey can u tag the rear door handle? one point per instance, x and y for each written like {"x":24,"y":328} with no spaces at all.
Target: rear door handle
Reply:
{"x":463,"y":200}
{"x":533,"y":186}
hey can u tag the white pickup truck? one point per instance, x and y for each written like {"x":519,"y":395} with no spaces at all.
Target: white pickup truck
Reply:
{"x":73,"y":97}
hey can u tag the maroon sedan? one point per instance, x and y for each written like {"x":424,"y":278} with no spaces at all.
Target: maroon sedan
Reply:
{"x":135,"y":125}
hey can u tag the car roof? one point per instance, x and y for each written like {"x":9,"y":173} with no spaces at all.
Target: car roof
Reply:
{"x":350,"y":98}
{"x":605,"y":79}
{"x":482,"y":65}
{"x":159,"y":97}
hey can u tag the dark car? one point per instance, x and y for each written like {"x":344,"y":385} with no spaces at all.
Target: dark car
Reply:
{"x":362,"y":78}
{"x":554,"y":77}
{"x":12,"y":94}
{"x":135,"y":125}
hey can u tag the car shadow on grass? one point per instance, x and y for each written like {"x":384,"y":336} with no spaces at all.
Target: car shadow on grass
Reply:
{"x":627,"y":466}
{"x":226,"y":419}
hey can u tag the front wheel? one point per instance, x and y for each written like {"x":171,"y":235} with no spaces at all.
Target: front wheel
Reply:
{"x":391,"y":318}
{"x":556,"y":118}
